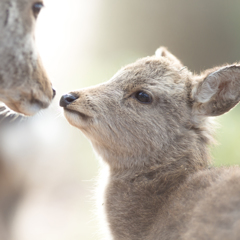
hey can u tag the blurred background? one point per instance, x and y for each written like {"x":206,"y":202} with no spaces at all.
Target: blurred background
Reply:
{"x":50,"y":166}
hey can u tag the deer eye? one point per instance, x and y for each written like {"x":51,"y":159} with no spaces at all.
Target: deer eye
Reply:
{"x":143,"y":97}
{"x":36,"y":8}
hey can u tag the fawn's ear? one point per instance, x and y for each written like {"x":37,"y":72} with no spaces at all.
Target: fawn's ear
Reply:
{"x":163,"y":52}
{"x":217,"y":92}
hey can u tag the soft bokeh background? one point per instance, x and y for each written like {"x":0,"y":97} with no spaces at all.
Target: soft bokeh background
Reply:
{"x":84,"y":43}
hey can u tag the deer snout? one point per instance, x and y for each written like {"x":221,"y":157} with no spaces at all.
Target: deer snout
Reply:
{"x":67,"y":99}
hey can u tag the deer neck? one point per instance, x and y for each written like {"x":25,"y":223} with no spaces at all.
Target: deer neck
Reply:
{"x":134,"y":198}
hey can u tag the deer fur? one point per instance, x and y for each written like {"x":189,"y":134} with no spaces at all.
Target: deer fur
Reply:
{"x":161,"y":183}
{"x":24,"y":85}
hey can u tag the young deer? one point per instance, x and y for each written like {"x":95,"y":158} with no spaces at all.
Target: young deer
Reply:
{"x":151,"y":124}
{"x":24,"y":85}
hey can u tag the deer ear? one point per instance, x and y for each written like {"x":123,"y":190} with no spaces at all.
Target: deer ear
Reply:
{"x":163,"y":52}
{"x":217,"y":92}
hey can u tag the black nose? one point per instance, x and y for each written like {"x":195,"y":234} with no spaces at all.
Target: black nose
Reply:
{"x":67,"y":99}
{"x":54,"y":93}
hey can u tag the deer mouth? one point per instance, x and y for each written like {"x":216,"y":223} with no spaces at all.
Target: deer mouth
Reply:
{"x":77,"y":119}
{"x":27,"y":108}
{"x":83,"y":116}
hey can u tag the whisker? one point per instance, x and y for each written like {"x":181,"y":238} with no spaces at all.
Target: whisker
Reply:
{"x":182,"y":68}
{"x":58,"y":115}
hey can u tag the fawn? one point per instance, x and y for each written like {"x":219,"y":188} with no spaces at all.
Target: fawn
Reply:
{"x":151,"y":123}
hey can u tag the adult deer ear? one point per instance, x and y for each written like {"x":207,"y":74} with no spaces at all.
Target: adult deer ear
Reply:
{"x":163,"y":52}
{"x":217,"y":92}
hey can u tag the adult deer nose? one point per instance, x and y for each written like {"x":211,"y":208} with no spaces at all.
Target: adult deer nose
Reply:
{"x":54,"y":93}
{"x":67,"y":99}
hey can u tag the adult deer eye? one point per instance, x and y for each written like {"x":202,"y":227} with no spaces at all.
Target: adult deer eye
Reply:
{"x":143,"y":97}
{"x":37,"y":8}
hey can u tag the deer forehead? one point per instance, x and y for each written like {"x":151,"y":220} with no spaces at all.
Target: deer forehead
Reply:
{"x":148,"y":73}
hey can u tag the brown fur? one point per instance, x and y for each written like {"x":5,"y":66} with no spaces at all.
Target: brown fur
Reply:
{"x":160,"y":184}
{"x":24,"y":85}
